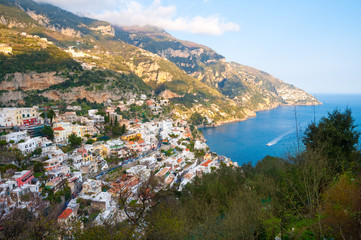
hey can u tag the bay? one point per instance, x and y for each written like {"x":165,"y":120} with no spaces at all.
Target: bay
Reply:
{"x":273,"y":132}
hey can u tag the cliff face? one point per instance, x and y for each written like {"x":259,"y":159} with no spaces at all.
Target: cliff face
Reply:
{"x":104,"y":30}
{"x":82,"y":93}
{"x":30,"y":81}
{"x":16,"y":97}
{"x":150,"y":71}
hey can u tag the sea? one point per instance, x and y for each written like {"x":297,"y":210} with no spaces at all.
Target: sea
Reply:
{"x":274,"y":132}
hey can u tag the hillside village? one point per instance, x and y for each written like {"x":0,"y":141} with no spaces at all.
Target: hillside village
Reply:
{"x":58,"y":157}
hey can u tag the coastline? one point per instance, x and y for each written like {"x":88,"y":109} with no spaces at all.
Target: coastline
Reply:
{"x":220,"y":123}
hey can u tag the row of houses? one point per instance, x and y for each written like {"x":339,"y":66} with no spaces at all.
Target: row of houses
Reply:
{"x":10,"y":117}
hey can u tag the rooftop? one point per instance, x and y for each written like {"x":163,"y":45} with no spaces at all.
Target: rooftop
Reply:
{"x":58,"y":129}
{"x":65,"y":213}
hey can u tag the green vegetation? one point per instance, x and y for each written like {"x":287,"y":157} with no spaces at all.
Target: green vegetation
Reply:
{"x":34,"y":97}
{"x":335,"y":137}
{"x":169,"y":152}
{"x":86,"y":106}
{"x":102,"y":80}
{"x":89,"y":141}
{"x":38,"y":168}
{"x":48,"y":132}
{"x":29,"y":55}
{"x":9,"y":156}
{"x":196,"y":119}
{"x":302,"y":197}
{"x":74,"y":140}
{"x":142,"y":112}
{"x":50,"y":114}
{"x":6,"y":167}
{"x":112,"y":129}
{"x":37,"y":152}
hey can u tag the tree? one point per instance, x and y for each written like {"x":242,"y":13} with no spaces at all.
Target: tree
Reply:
{"x":196,"y":119}
{"x":90,"y":141}
{"x":20,"y":158}
{"x":48,"y":132}
{"x":3,"y":144}
{"x":23,"y":224}
{"x":37,"y":151}
{"x":144,"y":196}
{"x":74,"y":140}
{"x":342,"y":209}
{"x":335,"y":136}
{"x":116,"y":120}
{"x":50,"y":114}
{"x":106,"y":118}
{"x":102,"y":112}
{"x":123,"y":129}
{"x":38,"y":167}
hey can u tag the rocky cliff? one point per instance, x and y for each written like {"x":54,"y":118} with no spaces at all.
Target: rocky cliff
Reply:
{"x":30,"y":81}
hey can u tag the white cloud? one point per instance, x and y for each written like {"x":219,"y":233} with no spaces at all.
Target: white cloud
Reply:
{"x":131,"y":12}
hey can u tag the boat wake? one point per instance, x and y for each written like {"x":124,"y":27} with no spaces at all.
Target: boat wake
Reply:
{"x":279,"y":138}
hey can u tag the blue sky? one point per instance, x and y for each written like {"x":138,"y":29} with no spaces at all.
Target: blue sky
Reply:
{"x":315,"y":45}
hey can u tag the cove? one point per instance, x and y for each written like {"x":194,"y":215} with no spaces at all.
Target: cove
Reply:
{"x":273,"y":132}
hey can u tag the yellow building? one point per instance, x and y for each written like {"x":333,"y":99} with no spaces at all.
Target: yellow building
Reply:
{"x":62,"y":130}
{"x":87,"y":157}
{"x":19,"y":116}
{"x":131,"y":136}
{"x":82,"y":129}
{"x":103,"y":150}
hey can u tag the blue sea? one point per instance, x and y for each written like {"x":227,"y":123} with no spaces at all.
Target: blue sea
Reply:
{"x":273,"y":132}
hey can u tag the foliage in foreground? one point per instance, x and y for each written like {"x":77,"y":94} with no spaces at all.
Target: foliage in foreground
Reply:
{"x":306,"y":196}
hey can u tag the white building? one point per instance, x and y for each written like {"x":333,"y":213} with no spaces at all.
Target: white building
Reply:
{"x":92,"y":112}
{"x":30,"y":145}
{"x":139,"y":170}
{"x":97,"y":118}
{"x":92,"y":186}
{"x":16,"y":136}
{"x":199,"y":145}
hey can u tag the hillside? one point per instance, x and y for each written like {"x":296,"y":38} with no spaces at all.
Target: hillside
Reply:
{"x":193,"y":76}
{"x":248,"y":86}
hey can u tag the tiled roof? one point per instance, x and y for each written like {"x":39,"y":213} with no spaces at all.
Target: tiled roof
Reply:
{"x":58,"y":129}
{"x":206,"y":163}
{"x":163,"y":171}
{"x":65,"y":213}
{"x":188,"y":175}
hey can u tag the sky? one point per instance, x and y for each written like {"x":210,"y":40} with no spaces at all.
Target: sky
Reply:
{"x":312,"y":44}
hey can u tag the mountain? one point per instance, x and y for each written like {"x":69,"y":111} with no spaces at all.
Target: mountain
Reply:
{"x":251,"y":87}
{"x":64,"y":56}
